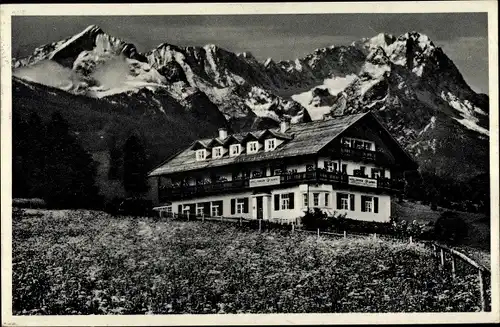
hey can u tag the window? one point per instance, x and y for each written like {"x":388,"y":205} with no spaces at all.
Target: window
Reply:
{"x":201,"y":154}
{"x":217,"y":152}
{"x":168,"y":209}
{"x":185,"y":209}
{"x":377,"y":173}
{"x":283,"y":201}
{"x":309,"y":167}
{"x":327,"y":199}
{"x":369,"y":203}
{"x":215,"y":210}
{"x":270,"y":144}
{"x":330,"y":166}
{"x":345,"y":201}
{"x":358,"y":144}
{"x":316,"y":199}
{"x":305,"y":199}
{"x":239,"y":206}
{"x":252,"y":147}
{"x":199,"y":210}
{"x":234,"y":150}
{"x":362,"y":170}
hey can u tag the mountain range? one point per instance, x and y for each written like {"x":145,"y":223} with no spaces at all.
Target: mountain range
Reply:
{"x":106,"y":87}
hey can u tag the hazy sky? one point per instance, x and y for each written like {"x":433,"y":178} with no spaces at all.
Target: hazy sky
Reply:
{"x":463,"y":36}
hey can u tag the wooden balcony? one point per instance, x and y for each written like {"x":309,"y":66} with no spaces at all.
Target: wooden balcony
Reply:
{"x":355,"y":154}
{"x":314,"y":176}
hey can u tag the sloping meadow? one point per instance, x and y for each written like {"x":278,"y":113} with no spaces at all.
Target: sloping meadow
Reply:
{"x":84,"y":262}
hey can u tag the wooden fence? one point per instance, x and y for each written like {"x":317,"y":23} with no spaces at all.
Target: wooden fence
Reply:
{"x":447,"y":257}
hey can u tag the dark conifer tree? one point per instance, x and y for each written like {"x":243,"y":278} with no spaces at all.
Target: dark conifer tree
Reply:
{"x":70,"y":171}
{"x":134,"y":166}
{"x":115,"y":159}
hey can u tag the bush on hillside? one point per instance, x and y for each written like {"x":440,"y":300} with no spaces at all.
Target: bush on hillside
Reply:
{"x":450,"y":228}
{"x":314,"y":219}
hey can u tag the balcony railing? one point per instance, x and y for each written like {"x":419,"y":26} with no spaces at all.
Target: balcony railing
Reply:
{"x":359,"y":154}
{"x":313,"y":176}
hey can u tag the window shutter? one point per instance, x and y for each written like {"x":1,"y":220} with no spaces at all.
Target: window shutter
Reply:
{"x":206,"y":209}
{"x":375,"y":204}
{"x":245,"y":205}
{"x":276,"y":202}
{"x":192,"y":209}
{"x":363,"y":204}
{"x":233,"y":206}
{"x":179,"y":208}
{"x":351,"y":196}
{"x":291,"y":196}
{"x":339,"y":201}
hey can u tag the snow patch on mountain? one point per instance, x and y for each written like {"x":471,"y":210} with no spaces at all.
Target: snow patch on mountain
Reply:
{"x":334,"y":86}
{"x":466,"y":111}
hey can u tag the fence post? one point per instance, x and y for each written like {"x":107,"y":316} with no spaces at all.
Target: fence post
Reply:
{"x":221,"y":218}
{"x":374,"y":236}
{"x":411,"y":240}
{"x":188,"y":215}
{"x":345,"y":234}
{"x":318,"y":233}
{"x":442,"y":257}
{"x":203,"y":217}
{"x":260,"y":225}
{"x":240,"y":221}
{"x":452,"y":265}
{"x":293,"y":227}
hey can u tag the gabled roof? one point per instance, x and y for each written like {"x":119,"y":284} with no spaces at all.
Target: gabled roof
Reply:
{"x":304,"y":139}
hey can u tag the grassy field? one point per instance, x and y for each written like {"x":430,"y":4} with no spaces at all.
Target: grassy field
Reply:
{"x":84,"y":262}
{"x":479,"y":229}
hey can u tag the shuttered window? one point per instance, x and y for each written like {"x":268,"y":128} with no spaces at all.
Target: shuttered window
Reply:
{"x":343,"y":201}
{"x":366,"y":203}
{"x":276,"y":202}
{"x":327,"y":199}
{"x":316,"y":199}
{"x":291,"y":197}
{"x":369,"y":203}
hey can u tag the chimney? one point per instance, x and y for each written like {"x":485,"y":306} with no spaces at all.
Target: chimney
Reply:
{"x":222,"y":133}
{"x":284,"y":125}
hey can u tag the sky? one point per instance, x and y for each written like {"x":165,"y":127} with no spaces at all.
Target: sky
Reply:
{"x":463,"y":36}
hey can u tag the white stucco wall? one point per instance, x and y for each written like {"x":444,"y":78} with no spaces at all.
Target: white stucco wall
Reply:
{"x":383,"y":215}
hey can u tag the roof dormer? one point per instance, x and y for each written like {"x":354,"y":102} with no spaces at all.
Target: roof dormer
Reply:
{"x":201,"y":154}
{"x":270,"y":144}
{"x":235,"y":150}
{"x":253,"y":147}
{"x":218,"y":152}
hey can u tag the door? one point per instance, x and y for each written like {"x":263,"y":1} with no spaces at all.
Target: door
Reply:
{"x":260,"y":208}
